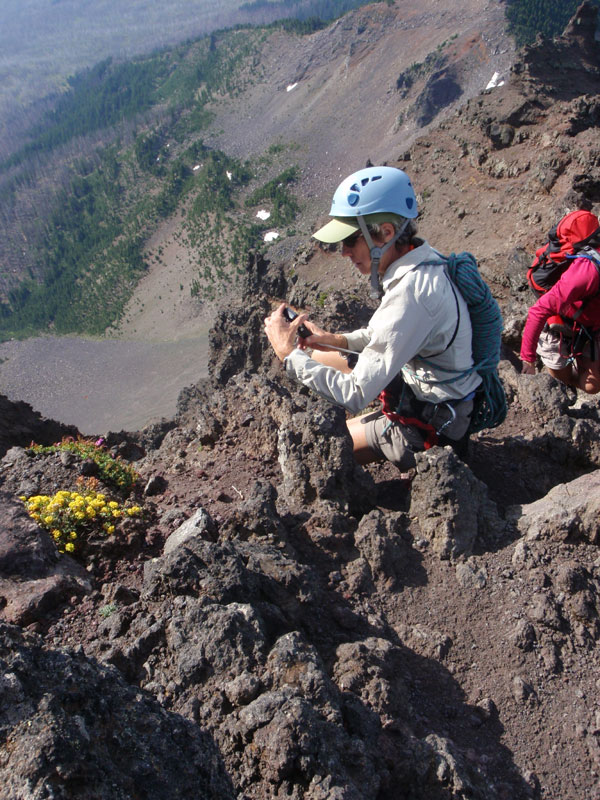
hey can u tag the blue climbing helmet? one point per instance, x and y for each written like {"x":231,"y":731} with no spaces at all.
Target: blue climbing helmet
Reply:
{"x":373,"y":194}
{"x":375,"y":190}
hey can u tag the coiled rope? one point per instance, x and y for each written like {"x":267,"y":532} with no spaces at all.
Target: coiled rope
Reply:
{"x":490,"y":406}
{"x":486,"y":320}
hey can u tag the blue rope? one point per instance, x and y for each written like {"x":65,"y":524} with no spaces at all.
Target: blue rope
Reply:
{"x":490,"y":405}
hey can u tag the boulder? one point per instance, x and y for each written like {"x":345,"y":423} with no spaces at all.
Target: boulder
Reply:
{"x":569,"y":512}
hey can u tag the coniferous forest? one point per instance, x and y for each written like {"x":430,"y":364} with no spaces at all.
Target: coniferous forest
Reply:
{"x":143,"y":119}
{"x":527,"y":18}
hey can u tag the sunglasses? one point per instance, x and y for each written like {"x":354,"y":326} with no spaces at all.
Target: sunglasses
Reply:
{"x":351,"y":240}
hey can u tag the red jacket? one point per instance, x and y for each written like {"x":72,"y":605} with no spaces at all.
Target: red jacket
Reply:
{"x":578,"y":286}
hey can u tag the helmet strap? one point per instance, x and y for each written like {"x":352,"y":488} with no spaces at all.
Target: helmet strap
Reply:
{"x":376,"y":253}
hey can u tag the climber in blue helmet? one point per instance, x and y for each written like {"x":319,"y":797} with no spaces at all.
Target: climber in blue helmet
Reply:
{"x":415,"y":353}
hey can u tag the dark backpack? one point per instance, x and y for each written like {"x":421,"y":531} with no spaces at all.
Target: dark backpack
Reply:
{"x":573,"y":233}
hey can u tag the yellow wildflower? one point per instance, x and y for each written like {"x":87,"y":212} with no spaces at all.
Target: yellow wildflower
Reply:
{"x":69,"y":547}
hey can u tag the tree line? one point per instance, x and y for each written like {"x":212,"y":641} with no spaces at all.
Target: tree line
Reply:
{"x":527,"y":18}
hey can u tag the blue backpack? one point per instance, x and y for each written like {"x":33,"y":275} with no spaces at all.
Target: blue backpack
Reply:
{"x":489,"y":403}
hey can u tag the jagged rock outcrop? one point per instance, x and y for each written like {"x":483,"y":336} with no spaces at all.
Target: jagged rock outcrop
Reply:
{"x":236,"y":338}
{"x":73,"y":728}
{"x":33,"y":578}
{"x":450,"y":506}
{"x":442,"y":89}
{"x":20,"y":425}
{"x":567,"y":512}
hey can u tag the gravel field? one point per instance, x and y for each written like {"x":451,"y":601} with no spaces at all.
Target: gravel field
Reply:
{"x":101,"y":385}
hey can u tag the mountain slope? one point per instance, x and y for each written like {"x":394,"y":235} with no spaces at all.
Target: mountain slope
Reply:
{"x":345,"y":104}
{"x":300,"y":626}
{"x":79,"y":200}
{"x":333,"y":97}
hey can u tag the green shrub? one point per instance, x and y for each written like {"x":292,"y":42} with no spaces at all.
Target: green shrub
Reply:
{"x":111,"y":470}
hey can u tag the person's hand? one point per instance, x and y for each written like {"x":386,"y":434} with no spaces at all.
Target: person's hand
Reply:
{"x":527,"y":368}
{"x":319,"y":339}
{"x":282,"y":334}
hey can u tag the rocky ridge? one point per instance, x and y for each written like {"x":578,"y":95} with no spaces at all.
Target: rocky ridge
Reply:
{"x":304,"y":627}
{"x":293,"y":625}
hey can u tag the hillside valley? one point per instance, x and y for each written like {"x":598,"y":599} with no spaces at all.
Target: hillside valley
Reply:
{"x":349,"y":102}
{"x":247,"y":613}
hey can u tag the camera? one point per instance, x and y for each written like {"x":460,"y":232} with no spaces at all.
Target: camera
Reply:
{"x":290,"y":315}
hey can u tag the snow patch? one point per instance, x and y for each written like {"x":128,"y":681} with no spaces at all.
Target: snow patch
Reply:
{"x":262,"y":214}
{"x":196,"y":167}
{"x":229,"y":174}
{"x":291,"y":86}
{"x":495,"y":81}
{"x":270,"y":236}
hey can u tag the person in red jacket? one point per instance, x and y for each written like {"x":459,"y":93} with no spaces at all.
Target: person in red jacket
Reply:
{"x":571,"y":350}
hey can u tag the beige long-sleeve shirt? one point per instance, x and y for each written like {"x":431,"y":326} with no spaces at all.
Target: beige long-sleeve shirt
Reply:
{"x":416,"y":320}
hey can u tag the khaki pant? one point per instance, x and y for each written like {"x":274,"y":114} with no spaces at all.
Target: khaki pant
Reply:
{"x":398,"y":443}
{"x":555,"y":349}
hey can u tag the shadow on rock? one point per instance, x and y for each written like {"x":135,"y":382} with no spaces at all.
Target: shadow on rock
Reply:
{"x":78,"y":730}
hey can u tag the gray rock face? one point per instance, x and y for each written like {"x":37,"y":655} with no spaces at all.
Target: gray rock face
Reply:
{"x":442,"y":89}
{"x":20,"y":425}
{"x":237,"y":340}
{"x":78,"y":730}
{"x":314,"y":453}
{"x":568,"y":512}
{"x":382,"y":551}
{"x":33,"y":579}
{"x":200,"y":524}
{"x":450,"y":505}
{"x":543,"y":397}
